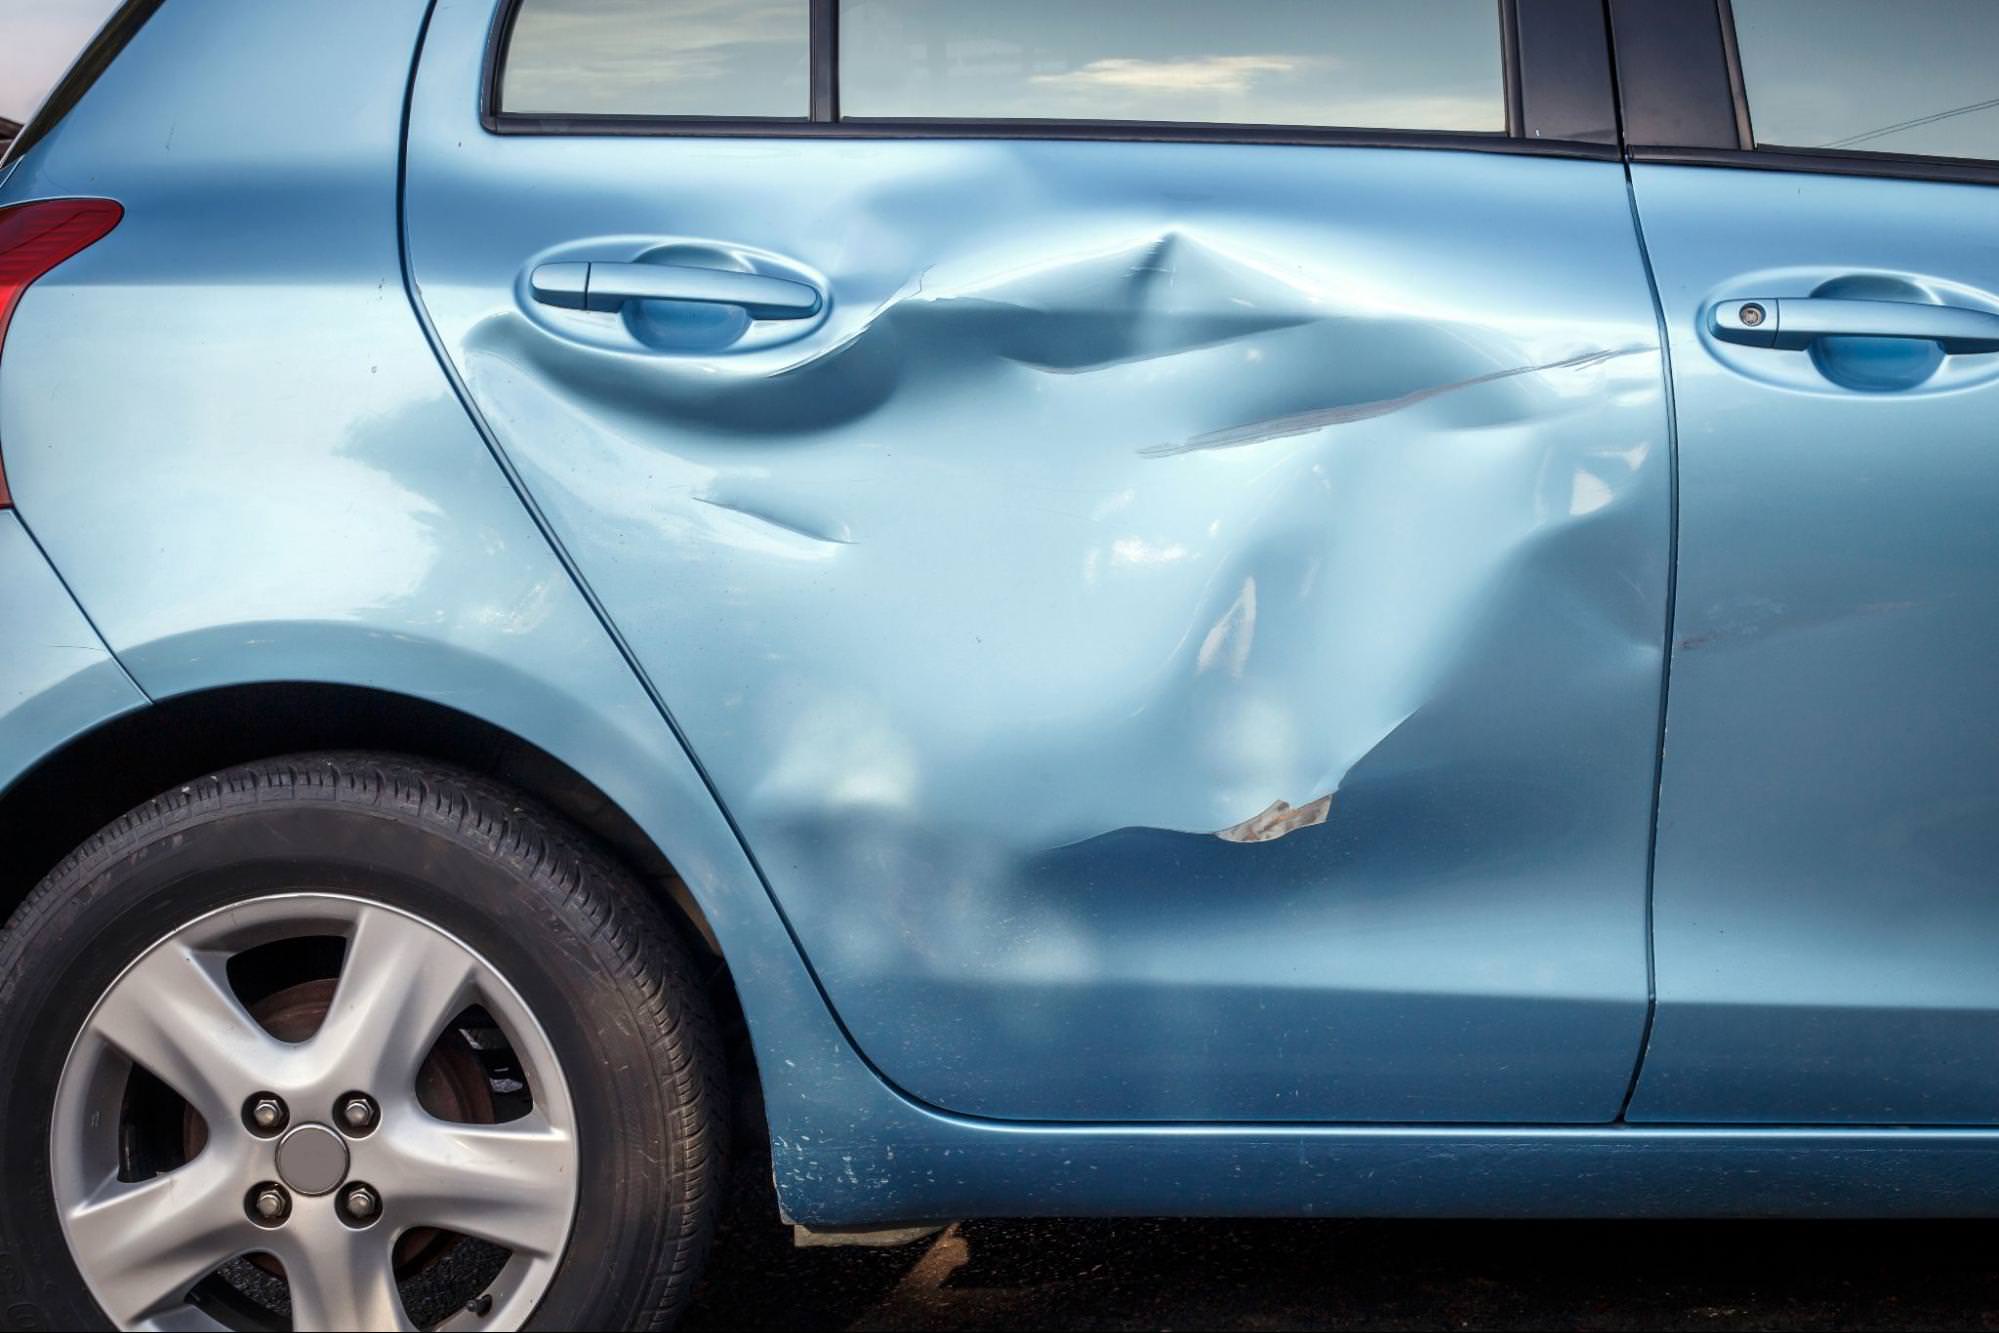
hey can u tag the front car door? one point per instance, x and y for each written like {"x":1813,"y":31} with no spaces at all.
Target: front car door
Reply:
{"x":1170,"y":586}
{"x":1826,"y":914}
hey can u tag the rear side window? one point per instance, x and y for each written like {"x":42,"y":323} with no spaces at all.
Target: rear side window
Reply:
{"x":1422,"y":65}
{"x":1919,"y":77}
{"x":710,"y":58}
{"x":1409,"y":65}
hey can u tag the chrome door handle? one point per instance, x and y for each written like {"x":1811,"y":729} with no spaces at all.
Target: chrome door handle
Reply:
{"x":602,"y":286}
{"x":1794,"y":322}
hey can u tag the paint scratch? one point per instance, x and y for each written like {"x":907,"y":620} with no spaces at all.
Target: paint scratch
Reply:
{"x":1277,"y":820}
{"x":1304,"y":423}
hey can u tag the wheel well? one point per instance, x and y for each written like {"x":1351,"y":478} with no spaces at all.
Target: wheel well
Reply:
{"x":84,"y":786}
{"x":79,"y":789}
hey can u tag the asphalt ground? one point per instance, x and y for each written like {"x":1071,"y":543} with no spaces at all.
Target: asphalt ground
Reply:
{"x":1179,"y":1274}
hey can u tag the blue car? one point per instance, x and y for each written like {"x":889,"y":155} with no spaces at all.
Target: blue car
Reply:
{"x":1069,"y":607}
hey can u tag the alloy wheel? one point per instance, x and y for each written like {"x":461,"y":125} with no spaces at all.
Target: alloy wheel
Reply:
{"x":313,"y":1106}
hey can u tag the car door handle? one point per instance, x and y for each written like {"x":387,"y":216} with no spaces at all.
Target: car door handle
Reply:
{"x":602,"y":286}
{"x":1794,"y":322}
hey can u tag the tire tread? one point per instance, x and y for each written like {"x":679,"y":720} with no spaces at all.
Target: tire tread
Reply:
{"x":600,"y":897}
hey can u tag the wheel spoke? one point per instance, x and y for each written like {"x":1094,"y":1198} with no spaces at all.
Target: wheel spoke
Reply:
{"x":152,"y":1240}
{"x":144,"y":1245}
{"x":401,"y":983}
{"x":340,"y":1278}
{"x":174,"y":1013}
{"x":509,"y":1184}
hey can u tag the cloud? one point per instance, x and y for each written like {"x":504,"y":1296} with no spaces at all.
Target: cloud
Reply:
{"x":1203,"y":74}
{"x":714,"y":57}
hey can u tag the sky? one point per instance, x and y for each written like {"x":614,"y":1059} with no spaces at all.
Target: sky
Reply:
{"x":38,"y":39}
{"x":1914,"y":76}
{"x":1415,"y":64}
{"x":1816,"y":76}
{"x":1240,"y":59}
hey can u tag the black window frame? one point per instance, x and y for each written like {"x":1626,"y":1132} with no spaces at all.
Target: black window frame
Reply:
{"x":1683,"y":102}
{"x":1559,"y":96}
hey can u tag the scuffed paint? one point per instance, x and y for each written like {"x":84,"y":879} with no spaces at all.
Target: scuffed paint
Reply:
{"x":1012,"y":705}
{"x":1278,"y":819}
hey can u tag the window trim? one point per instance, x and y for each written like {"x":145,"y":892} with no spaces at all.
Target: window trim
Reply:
{"x":1683,"y":102}
{"x":118,"y":31}
{"x":823,"y":33}
{"x":1738,"y":91}
{"x":1559,"y":84}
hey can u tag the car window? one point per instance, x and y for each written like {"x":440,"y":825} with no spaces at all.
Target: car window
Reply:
{"x":1920,"y":76}
{"x":719,"y":58}
{"x":1412,"y":65}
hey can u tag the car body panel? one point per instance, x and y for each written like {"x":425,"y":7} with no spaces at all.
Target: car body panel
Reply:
{"x":913,"y":1167}
{"x":1121,"y":494}
{"x":332,"y":516}
{"x":57,"y":679}
{"x":254,"y":503}
{"x":1825,"y":915}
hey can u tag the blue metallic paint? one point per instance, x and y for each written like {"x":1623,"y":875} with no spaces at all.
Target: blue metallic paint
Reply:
{"x":1125,"y":492}
{"x":283,"y":486}
{"x":332,"y":515}
{"x":1827,"y":930}
{"x":253,"y":505}
{"x":57,"y":679}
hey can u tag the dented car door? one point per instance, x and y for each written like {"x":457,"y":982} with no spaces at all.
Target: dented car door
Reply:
{"x":1178,"y":624}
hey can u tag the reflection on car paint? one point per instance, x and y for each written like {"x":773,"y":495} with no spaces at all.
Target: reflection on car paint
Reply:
{"x":982,"y":658}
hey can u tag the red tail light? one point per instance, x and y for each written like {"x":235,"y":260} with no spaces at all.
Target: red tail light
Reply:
{"x":34,"y":238}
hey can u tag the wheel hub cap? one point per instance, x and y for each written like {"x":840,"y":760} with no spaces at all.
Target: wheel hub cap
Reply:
{"x":312,"y":1159}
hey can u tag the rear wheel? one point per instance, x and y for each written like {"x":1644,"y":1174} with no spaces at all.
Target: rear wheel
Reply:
{"x":348,"y":1041}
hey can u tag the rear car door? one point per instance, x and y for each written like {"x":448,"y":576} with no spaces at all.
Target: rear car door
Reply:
{"x":1153,"y":516}
{"x":1826,"y":915}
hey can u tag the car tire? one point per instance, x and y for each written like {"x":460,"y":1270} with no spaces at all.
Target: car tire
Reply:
{"x":593,"y":1013}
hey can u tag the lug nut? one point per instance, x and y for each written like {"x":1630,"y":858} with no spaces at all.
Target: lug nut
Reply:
{"x":357,"y":1113}
{"x":360,"y":1204}
{"x":265,"y":1113}
{"x":269,"y":1204}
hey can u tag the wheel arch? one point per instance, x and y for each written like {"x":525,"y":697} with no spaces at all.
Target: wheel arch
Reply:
{"x":81,"y":786}
{"x":787,"y":1057}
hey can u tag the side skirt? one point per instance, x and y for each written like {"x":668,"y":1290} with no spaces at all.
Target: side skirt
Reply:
{"x":957,"y":1168}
